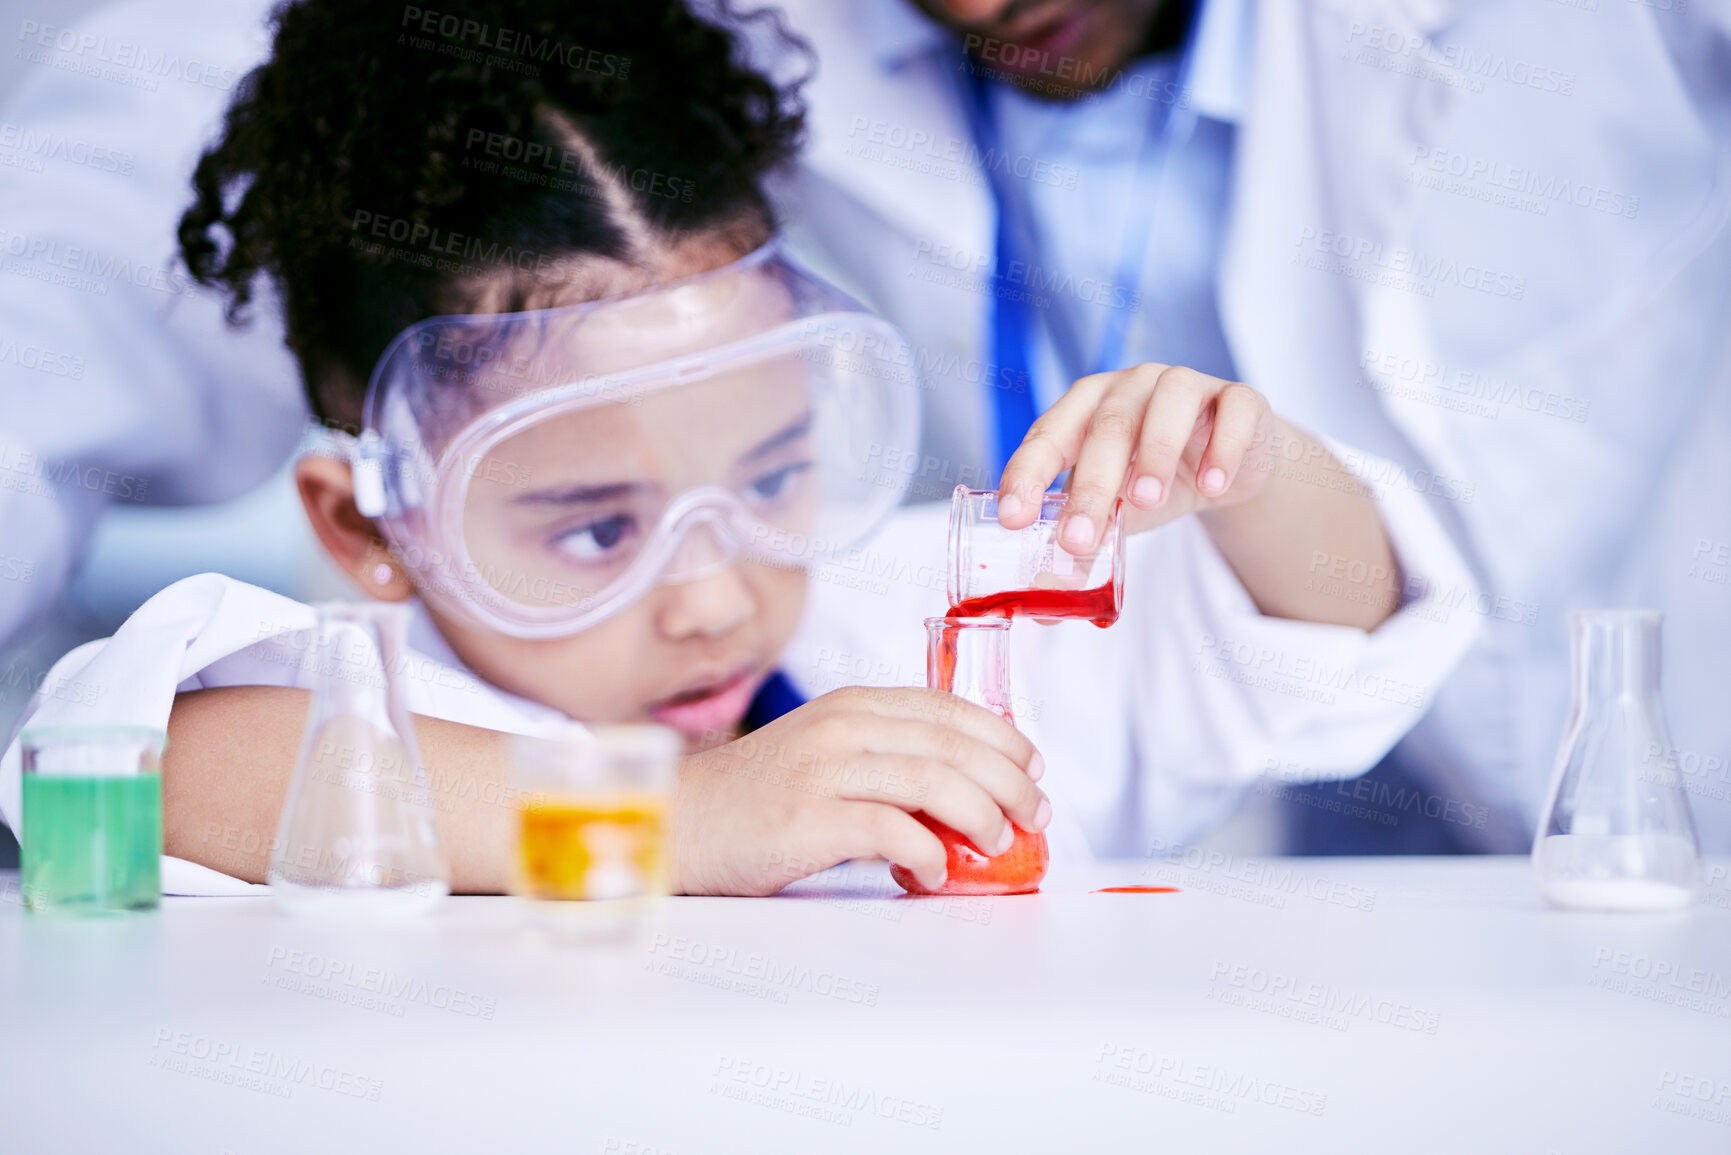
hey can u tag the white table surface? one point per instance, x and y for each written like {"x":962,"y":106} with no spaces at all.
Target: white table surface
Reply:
{"x":1385,"y":1005}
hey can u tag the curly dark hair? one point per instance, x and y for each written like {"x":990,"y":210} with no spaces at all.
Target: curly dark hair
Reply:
{"x":388,"y":157}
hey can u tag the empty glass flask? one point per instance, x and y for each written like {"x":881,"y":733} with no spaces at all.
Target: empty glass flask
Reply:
{"x":358,"y":833}
{"x":1615,"y":833}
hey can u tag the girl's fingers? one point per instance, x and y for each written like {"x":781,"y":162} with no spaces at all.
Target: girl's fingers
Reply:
{"x":947,"y":794}
{"x":1048,"y":449}
{"x":913,"y":703}
{"x":868,"y":829}
{"x":1104,"y":459}
{"x":1126,"y":433}
{"x":929,"y":756}
{"x":1180,"y":398}
{"x":1238,"y":414}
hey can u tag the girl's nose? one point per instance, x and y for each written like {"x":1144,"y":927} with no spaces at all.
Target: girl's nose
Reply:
{"x":709,"y":606}
{"x":703,"y":593}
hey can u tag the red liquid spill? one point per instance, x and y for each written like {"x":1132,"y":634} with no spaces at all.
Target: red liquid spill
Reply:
{"x":1137,"y":890}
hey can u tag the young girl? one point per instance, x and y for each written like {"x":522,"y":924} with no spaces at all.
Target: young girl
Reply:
{"x":599,"y":429}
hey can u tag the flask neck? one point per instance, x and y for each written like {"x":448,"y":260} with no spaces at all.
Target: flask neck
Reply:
{"x":1616,"y":655}
{"x":969,"y":657}
{"x":355,"y":652}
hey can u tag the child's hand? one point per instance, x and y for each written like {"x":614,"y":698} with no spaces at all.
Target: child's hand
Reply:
{"x":1169,"y":439}
{"x":839,"y":777}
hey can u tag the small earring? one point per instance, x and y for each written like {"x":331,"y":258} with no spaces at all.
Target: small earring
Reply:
{"x":383,"y":573}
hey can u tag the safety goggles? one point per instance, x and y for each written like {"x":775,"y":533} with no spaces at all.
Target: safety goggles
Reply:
{"x":540,"y":471}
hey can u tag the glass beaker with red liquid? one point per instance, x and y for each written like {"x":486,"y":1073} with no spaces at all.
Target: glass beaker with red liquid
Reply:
{"x":969,"y":657}
{"x":998,"y":572}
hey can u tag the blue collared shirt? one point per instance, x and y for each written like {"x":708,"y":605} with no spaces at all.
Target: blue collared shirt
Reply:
{"x":1078,"y":216}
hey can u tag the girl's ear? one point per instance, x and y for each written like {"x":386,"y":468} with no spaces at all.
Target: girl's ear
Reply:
{"x":327,"y":489}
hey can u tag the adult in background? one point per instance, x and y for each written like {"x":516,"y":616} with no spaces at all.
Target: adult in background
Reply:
{"x":1486,"y":241}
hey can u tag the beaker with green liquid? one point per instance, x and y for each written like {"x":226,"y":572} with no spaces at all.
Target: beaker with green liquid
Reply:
{"x":92,"y":821}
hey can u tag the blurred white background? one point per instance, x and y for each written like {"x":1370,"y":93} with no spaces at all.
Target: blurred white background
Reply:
{"x":261,"y":538}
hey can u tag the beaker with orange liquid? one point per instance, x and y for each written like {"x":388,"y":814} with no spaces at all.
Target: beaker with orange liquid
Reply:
{"x":592,"y":815}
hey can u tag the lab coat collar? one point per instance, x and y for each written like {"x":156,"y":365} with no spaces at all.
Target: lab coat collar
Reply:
{"x":535,"y":717}
{"x":1221,"y":60}
{"x":425,"y":638}
{"x":1291,"y":156}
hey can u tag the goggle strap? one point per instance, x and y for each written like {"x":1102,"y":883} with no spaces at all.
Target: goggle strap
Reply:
{"x":367,"y":464}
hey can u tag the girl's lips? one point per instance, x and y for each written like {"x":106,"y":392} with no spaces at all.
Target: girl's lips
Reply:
{"x":711,"y":709}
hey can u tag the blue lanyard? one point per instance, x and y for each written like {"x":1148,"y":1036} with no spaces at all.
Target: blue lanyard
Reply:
{"x":1011,"y":389}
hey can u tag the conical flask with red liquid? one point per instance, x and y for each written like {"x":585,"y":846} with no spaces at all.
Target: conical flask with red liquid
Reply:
{"x":969,"y":657}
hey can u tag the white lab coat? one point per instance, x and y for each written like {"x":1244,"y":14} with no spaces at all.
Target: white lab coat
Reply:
{"x":119,"y":380}
{"x":210,"y":631}
{"x":1552,"y":367}
{"x":1151,"y":729}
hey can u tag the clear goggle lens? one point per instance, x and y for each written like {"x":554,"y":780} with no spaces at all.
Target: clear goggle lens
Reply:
{"x":554,"y":466}
{"x":585,"y":510}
